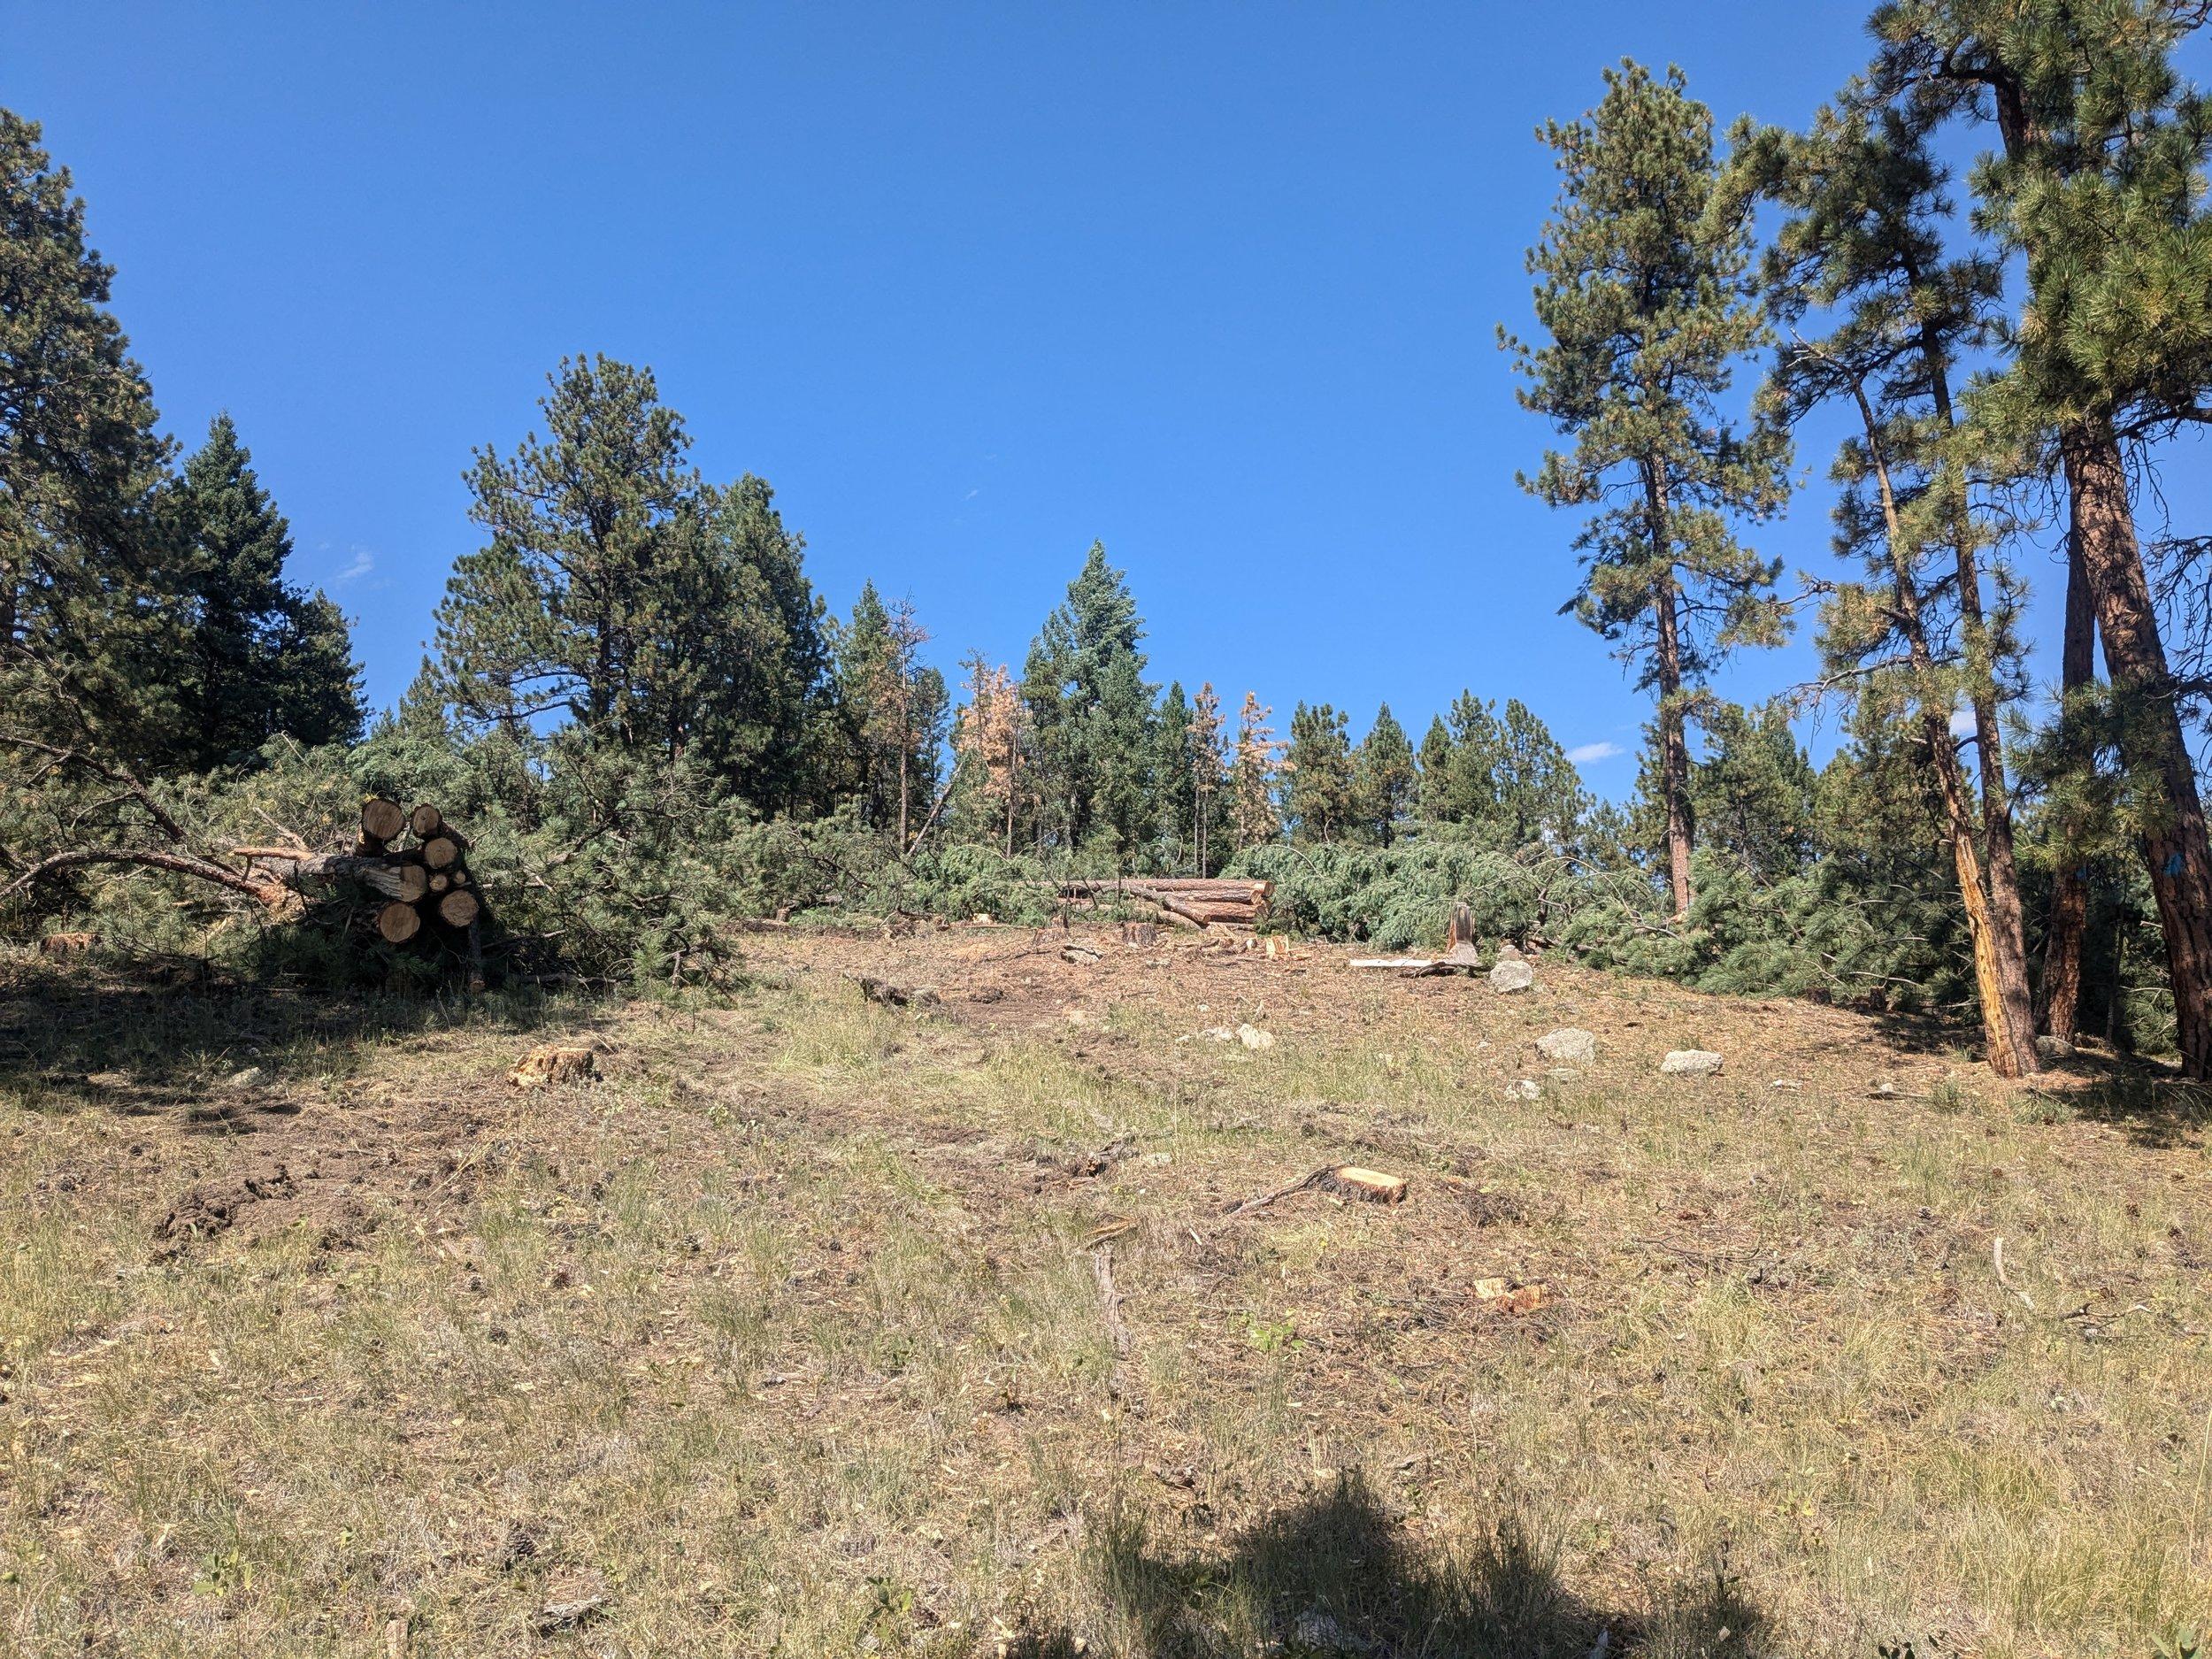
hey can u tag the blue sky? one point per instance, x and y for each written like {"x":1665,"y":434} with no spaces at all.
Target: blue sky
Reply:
{"x":972,"y":286}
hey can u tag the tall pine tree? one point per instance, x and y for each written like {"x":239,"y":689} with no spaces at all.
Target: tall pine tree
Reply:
{"x":2099,"y":186}
{"x":1648,"y":300}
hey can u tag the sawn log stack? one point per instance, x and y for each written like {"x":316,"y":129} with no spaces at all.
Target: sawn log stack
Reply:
{"x":1184,"y":901}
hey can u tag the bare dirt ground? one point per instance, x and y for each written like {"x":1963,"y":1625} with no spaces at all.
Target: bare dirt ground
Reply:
{"x":817,"y":1326}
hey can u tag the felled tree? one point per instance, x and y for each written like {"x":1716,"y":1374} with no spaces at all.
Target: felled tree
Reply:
{"x":1252,"y":813}
{"x":1648,"y":300}
{"x":1863,"y":250}
{"x":2098,"y":186}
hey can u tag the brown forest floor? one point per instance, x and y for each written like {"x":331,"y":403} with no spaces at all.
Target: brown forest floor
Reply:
{"x":792,"y":1335}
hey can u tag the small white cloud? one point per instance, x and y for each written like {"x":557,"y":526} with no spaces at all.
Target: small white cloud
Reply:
{"x":363,"y":562}
{"x":1961,"y":723}
{"x":1582,"y":755}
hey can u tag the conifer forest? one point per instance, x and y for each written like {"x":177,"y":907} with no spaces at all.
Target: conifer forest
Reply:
{"x":721,"y":1123}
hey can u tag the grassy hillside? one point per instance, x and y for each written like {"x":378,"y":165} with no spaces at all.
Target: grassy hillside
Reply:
{"x":820,"y":1327}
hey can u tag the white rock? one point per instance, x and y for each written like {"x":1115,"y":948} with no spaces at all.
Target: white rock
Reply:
{"x":1691,"y":1063}
{"x":246,"y":1079}
{"x":1523,"y":1088}
{"x":1512,"y":974}
{"x":1574,"y":1044}
{"x":1789,"y":1083}
{"x":1219,"y":1033}
{"x":1252,"y":1037}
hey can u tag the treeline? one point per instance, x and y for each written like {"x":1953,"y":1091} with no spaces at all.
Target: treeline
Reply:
{"x":655,"y":725}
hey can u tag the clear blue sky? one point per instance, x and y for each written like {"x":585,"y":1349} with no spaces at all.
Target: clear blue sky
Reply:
{"x":972,"y":286}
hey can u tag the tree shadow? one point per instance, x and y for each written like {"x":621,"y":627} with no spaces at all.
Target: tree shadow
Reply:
{"x":1336,"y":1574}
{"x":2152,"y":1104}
{"x":151,"y":1042}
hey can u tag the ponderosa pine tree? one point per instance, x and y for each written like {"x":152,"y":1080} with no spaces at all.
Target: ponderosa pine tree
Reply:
{"x":894,"y":710}
{"x":1647,"y":298}
{"x":1093,"y":713}
{"x":1505,"y":774}
{"x":2099,"y":186}
{"x":1317,"y":774}
{"x":661,"y":616}
{"x":265,"y":657}
{"x":1755,"y":791}
{"x":992,"y":737}
{"x":1171,"y":774}
{"x":1863,"y":250}
{"x":1385,"y":782}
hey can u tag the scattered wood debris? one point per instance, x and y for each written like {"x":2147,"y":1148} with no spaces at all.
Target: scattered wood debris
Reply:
{"x":66,"y":944}
{"x":1346,"y":1180}
{"x":554,"y":1616}
{"x":1503,"y":1295}
{"x":892,"y":994}
{"x":556,"y":1063}
{"x":1137,"y":934}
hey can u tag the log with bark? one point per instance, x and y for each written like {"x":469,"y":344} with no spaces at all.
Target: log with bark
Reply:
{"x":1203,"y":903}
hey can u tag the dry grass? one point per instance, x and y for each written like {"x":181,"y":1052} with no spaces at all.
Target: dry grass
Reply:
{"x":788,"y":1336}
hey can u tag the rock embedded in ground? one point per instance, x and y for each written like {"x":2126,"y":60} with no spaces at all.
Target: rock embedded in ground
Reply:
{"x":1691,"y":1063}
{"x":1523,"y":1088}
{"x":245,"y":1079}
{"x":1252,"y":1037}
{"x":1512,"y":974}
{"x":1570,"y":1044}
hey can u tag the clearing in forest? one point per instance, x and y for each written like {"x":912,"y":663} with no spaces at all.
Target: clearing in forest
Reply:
{"x":813,"y":1326}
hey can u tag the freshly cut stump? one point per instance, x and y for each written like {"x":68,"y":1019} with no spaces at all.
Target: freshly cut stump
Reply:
{"x":381,"y":819}
{"x":1352,"y":1181}
{"x":399,"y":922}
{"x":559,"y":1064}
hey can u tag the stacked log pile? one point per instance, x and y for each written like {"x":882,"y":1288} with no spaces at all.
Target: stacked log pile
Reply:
{"x":414,"y":865}
{"x":1193,"y":902}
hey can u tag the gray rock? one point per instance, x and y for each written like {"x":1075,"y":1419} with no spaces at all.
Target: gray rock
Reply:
{"x":1523,"y":1088}
{"x":246,"y":1079}
{"x":1252,"y":1037}
{"x":1512,"y":974}
{"x":1691,"y":1063}
{"x":1572,"y":1044}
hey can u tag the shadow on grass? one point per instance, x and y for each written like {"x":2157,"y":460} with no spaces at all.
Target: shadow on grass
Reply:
{"x":2153,"y":1105}
{"x":1337,"y":1575}
{"x":93,"y":1038}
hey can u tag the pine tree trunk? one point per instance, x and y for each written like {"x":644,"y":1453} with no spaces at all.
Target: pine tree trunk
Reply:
{"x":903,"y":747}
{"x":2151,"y":738}
{"x":2059,"y":997}
{"x":2006,"y":916}
{"x":2008,"y":1023}
{"x":1674,"y":748}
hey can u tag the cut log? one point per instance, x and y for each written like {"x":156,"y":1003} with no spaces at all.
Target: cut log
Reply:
{"x":1461,"y":929}
{"x":381,"y":820}
{"x":458,"y":909}
{"x":441,"y":851}
{"x":398,"y":923}
{"x":440,"y":882}
{"x":1392,"y":962}
{"x":425,"y":820}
